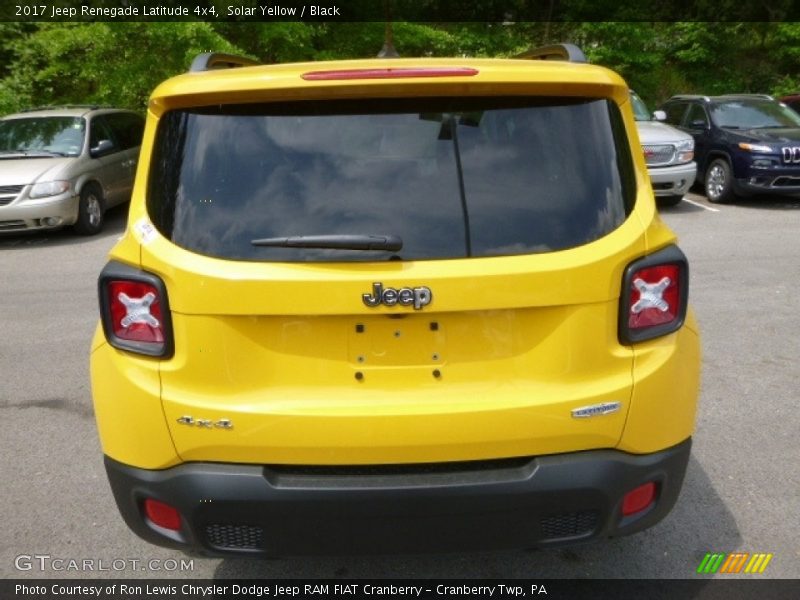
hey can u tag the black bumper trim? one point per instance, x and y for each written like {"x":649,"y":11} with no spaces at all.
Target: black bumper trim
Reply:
{"x":743,"y":187}
{"x":520,"y":503}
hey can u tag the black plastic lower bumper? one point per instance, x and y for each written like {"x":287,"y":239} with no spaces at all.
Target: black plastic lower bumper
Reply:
{"x":500,"y":504}
{"x":759,"y":184}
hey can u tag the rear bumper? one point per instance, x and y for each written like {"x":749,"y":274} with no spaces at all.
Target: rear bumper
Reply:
{"x":504,"y":504}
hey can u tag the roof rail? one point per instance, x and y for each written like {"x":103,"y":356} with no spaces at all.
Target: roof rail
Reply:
{"x":720,"y":97}
{"x":569,"y":52}
{"x":217,"y":60}
{"x":690,"y":97}
{"x":63,"y":106}
{"x":764,"y":96}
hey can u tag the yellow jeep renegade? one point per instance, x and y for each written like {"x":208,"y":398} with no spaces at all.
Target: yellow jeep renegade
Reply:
{"x":393,"y":305}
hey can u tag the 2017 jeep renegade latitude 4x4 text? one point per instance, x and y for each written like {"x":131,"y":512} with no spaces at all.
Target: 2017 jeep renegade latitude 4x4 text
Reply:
{"x":393,"y":306}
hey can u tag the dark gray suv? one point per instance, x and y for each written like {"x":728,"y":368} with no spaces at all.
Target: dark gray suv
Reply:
{"x":65,"y":166}
{"x":744,"y":144}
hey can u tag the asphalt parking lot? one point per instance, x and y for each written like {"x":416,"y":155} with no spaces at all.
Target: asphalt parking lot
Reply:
{"x":742,"y":491}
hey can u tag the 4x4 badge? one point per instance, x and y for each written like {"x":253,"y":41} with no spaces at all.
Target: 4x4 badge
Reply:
{"x":205,"y":423}
{"x":416,"y":297}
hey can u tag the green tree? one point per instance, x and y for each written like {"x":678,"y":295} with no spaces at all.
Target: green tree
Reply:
{"x":105,"y":63}
{"x":120,"y":63}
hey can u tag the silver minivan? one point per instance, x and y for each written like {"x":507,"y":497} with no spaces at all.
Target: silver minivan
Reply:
{"x":62,"y":166}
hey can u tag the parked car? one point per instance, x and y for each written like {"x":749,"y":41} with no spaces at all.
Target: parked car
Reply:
{"x":668,"y":153}
{"x":393,"y":305}
{"x":745,"y":144}
{"x":66,"y":165}
{"x":792,"y":101}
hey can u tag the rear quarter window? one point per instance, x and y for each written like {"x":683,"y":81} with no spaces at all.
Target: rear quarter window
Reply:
{"x":452,"y":177}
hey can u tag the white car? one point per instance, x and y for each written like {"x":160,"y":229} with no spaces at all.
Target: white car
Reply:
{"x":669,"y":154}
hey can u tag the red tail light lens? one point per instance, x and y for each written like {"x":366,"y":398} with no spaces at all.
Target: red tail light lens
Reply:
{"x":389,"y":73}
{"x":134,"y":311}
{"x":654,"y":296}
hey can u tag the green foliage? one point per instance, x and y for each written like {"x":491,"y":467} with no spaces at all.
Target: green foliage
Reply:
{"x":105,"y":63}
{"x":274,"y":42}
{"x":121,"y":63}
{"x":662,"y":59}
{"x":630,"y":49}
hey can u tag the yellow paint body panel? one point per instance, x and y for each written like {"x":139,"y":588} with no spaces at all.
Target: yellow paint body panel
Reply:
{"x":507,"y":382}
{"x":491,"y":368}
{"x":664,"y":402}
{"x":127,"y":407}
{"x":284,"y":82}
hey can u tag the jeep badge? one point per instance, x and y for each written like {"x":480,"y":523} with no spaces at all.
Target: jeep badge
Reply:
{"x":418,"y":296}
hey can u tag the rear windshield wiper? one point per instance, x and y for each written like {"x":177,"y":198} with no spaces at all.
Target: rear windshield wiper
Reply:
{"x":391,"y":243}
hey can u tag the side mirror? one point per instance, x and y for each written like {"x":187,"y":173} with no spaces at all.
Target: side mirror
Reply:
{"x":103,"y":147}
{"x":660,"y":115}
{"x":699,"y":124}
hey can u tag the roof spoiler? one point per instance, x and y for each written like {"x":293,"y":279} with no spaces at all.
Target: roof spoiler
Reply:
{"x":217,"y":60}
{"x":568,"y":52}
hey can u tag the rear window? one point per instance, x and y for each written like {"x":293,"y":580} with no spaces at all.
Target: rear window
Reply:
{"x":451,"y":177}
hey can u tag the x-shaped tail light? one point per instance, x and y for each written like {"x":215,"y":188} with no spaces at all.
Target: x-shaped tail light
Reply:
{"x":138,"y":310}
{"x":651,"y":295}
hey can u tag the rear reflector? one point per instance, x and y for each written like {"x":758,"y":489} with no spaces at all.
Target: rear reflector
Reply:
{"x":639,"y":499}
{"x":162,"y":515}
{"x":389,"y":73}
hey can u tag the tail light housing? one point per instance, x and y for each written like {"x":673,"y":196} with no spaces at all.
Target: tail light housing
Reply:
{"x":654,"y":296}
{"x":134,"y":311}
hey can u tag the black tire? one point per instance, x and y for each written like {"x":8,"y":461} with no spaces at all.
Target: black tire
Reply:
{"x":718,"y":183}
{"x":669,"y":200}
{"x":91,"y":209}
